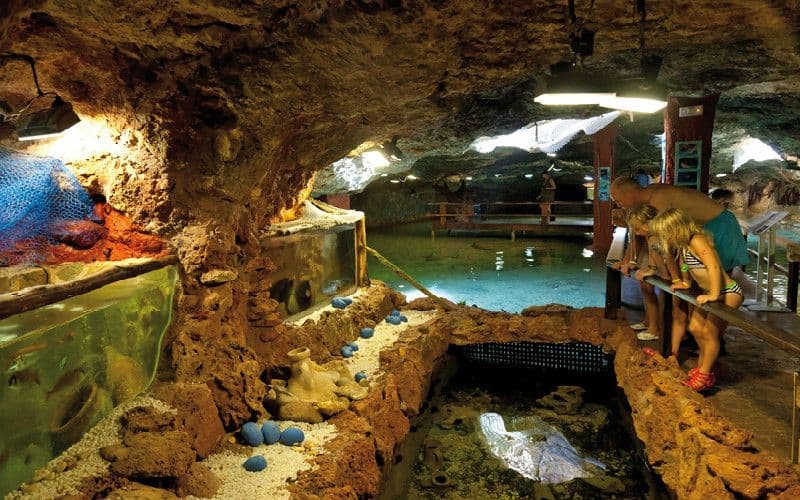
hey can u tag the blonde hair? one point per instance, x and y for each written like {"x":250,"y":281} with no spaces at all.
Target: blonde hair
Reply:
{"x":640,"y":216}
{"x":674,"y":229}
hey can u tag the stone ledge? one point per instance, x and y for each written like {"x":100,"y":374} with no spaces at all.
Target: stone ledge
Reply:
{"x":697,"y":452}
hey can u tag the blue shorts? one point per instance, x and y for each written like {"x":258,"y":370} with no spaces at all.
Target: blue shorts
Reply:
{"x":728,"y":240}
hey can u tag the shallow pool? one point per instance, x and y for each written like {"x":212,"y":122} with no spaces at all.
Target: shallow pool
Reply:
{"x":491,"y":272}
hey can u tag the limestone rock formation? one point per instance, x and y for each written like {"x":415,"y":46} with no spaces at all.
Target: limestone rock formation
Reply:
{"x":327,"y":388}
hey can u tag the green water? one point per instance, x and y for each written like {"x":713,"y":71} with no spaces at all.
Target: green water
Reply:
{"x":454,"y":459}
{"x":67,"y":364}
{"x":491,"y":272}
{"x":311,"y":268}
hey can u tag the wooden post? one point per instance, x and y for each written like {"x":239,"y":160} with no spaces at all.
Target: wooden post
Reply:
{"x":362,"y":277}
{"x":697,"y":127}
{"x":442,"y":216}
{"x":604,"y":157}
{"x":792,"y":285}
{"x":613,"y":293}
{"x":666,"y":303}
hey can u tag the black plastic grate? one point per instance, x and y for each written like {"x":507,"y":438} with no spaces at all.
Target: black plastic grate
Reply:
{"x":578,"y":357}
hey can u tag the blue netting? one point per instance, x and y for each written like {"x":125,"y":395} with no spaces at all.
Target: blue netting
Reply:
{"x":36,"y":194}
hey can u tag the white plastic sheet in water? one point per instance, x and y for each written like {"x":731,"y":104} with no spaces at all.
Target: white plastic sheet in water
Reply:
{"x":539,"y":452}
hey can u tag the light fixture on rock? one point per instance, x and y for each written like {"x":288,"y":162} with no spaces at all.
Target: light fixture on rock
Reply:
{"x":45,"y":122}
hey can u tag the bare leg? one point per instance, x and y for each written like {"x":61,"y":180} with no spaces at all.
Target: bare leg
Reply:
{"x":697,"y":322}
{"x":713,"y":328}
{"x":680,"y":315}
{"x":650,"y":307}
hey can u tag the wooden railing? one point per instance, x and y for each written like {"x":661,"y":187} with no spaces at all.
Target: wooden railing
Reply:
{"x":485,"y":211}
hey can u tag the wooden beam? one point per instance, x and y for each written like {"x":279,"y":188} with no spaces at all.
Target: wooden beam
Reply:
{"x":37,"y":296}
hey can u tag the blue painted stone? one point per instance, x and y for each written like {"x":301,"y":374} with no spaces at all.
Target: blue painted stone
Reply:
{"x":393,"y":320}
{"x":292,"y":436}
{"x":255,"y":463}
{"x":347,"y":300}
{"x":270,"y":432}
{"x":395,"y":312}
{"x":360,"y":376}
{"x":353,"y":346}
{"x":367,"y":333}
{"x":403,"y":318}
{"x":347,"y":352}
{"x":251,"y":433}
{"x":338,"y":303}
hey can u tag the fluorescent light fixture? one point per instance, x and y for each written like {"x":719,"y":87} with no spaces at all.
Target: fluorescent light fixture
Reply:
{"x":552,"y":155}
{"x":634,"y":104}
{"x":588,"y":178}
{"x":374,"y":159}
{"x":528,"y":176}
{"x":384,"y":175}
{"x":722,"y":175}
{"x":574,"y":99}
{"x":394,"y":181}
{"x":412,"y":177}
{"x":468,"y":178}
{"x":46,"y":123}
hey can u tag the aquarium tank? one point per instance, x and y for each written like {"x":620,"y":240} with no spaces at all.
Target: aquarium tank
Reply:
{"x":311,"y":267}
{"x":67,"y":364}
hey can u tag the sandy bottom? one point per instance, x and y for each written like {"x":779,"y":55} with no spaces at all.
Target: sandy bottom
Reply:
{"x":367,"y":358}
{"x":283,"y":464}
{"x":63,"y":474}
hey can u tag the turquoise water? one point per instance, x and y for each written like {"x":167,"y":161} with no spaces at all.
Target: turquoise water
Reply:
{"x":491,"y":272}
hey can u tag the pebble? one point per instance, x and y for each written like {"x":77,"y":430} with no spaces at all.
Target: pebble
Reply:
{"x":338,"y":303}
{"x":292,"y":436}
{"x":353,"y":346}
{"x":360,"y":376}
{"x":367,"y":333}
{"x":347,"y":352}
{"x":271,"y":432}
{"x":251,"y":433}
{"x":255,"y":463}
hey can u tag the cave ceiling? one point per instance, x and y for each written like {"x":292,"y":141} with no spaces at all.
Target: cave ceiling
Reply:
{"x":227,"y":108}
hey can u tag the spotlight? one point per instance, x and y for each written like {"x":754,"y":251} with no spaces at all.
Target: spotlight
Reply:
{"x":46,"y":122}
{"x":43,"y":123}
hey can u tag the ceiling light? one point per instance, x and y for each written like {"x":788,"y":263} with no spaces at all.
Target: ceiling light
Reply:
{"x":497,"y":175}
{"x":46,"y":123}
{"x":588,"y":178}
{"x":384,"y":175}
{"x":552,"y":155}
{"x":412,"y":177}
{"x":573,"y":98}
{"x":634,"y":104}
{"x":395,"y":181}
{"x":722,"y":175}
{"x":469,"y":178}
{"x":528,"y":176}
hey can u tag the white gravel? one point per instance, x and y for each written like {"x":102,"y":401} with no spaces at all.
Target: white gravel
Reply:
{"x":367,"y":358}
{"x":283,"y":464}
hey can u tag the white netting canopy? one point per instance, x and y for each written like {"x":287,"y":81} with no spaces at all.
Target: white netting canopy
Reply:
{"x":546,"y":136}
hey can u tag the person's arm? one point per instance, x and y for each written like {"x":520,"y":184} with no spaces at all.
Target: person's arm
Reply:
{"x":708,"y":256}
{"x":685,"y":281}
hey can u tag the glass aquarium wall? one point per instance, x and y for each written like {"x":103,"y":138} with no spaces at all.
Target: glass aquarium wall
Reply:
{"x":66,"y":365}
{"x":311,"y":267}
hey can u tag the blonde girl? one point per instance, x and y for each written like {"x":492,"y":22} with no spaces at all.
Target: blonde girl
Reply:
{"x":699,"y":261}
{"x":638,"y":220}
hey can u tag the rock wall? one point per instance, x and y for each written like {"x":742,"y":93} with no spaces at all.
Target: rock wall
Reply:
{"x":203,"y":121}
{"x":698,"y":453}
